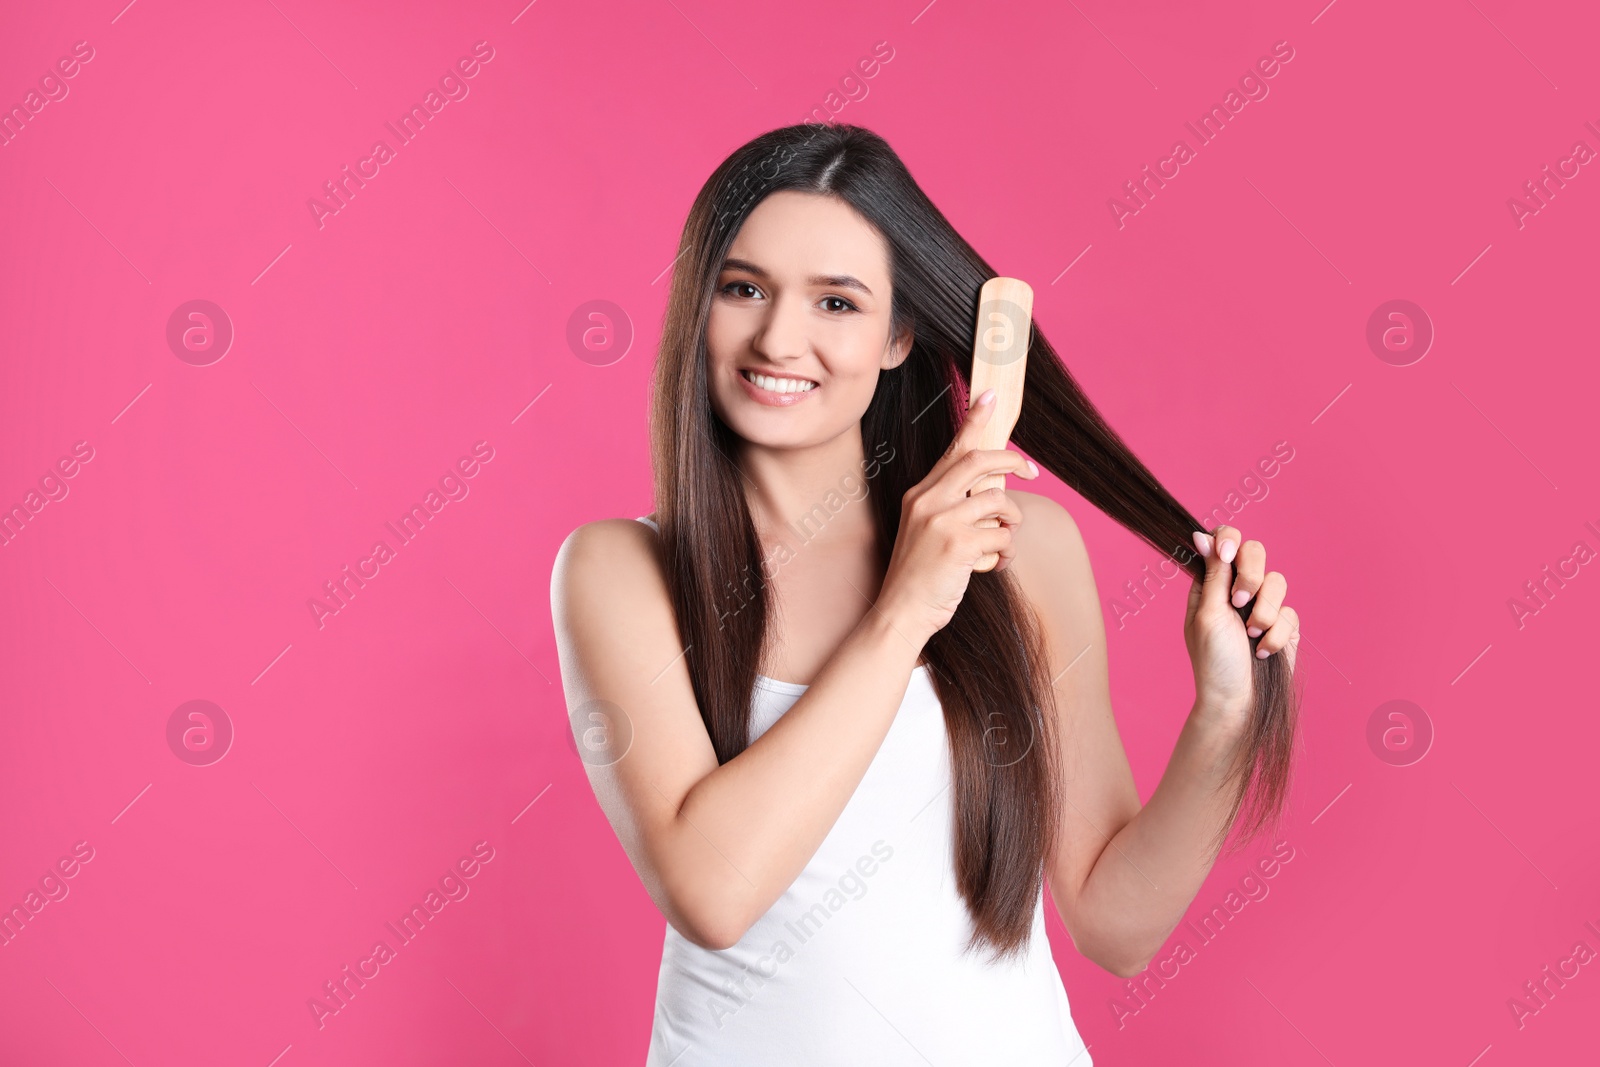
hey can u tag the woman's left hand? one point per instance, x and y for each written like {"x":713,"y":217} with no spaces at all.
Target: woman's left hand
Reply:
{"x":1217,"y":639}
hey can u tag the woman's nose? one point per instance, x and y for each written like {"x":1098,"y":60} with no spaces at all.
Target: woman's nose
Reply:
{"x":782,"y":333}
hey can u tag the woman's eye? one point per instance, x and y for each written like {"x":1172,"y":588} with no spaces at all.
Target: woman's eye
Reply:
{"x":836,"y":304}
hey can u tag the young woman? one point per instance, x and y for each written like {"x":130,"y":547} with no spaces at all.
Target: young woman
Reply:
{"x":842,"y":760}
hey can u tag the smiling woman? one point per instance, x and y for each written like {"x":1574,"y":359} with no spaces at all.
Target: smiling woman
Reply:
{"x":827,"y":311}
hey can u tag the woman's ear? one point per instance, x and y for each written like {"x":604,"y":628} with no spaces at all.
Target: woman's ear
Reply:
{"x":898,"y":349}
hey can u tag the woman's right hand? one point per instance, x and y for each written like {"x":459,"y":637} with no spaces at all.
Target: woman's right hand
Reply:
{"x":939,"y":541}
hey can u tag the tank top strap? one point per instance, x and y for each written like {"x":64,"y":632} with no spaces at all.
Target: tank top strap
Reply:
{"x":650,"y":523}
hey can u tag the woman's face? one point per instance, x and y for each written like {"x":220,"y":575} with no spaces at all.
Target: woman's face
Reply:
{"x":803,"y":298}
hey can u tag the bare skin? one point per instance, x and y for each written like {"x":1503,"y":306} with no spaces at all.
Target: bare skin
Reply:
{"x":715,"y":846}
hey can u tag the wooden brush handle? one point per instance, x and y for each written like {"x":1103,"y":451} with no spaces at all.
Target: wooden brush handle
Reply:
{"x":1000,"y":362}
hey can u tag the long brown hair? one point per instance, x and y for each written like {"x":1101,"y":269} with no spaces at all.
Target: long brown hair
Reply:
{"x":987,"y":664}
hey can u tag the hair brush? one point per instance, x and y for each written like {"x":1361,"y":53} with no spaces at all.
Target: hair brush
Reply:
{"x":1000,"y":362}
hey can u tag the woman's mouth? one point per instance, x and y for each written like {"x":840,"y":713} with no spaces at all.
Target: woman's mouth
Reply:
{"x":776,"y":392}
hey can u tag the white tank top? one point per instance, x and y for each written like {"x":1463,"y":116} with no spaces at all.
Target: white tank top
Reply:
{"x":860,"y":960}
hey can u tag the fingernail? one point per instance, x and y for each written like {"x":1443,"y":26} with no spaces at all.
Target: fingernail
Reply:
{"x":1240,"y":598}
{"x":1202,"y":543}
{"x":1254,"y":631}
{"x":1032,"y":468}
{"x":986,"y":397}
{"x":1262,"y":653}
{"x":1227,"y":550}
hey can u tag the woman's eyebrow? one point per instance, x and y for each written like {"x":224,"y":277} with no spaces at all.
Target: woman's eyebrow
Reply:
{"x":840,"y":281}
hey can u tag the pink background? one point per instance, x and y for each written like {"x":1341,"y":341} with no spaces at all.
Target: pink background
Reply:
{"x":370,"y":354}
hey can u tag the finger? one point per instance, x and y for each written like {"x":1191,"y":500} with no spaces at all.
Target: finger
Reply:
{"x":1202,"y":544}
{"x":980,"y":463}
{"x":1279,"y":635}
{"x":972,"y":424}
{"x":1219,"y":570}
{"x":986,"y":543}
{"x":990,"y":503}
{"x":1227,"y":538}
{"x":966,"y":437}
{"x":1291,"y":651}
{"x":1007,"y":554}
{"x":1248,"y":569}
{"x":1269,"y":598}
{"x":995,"y":541}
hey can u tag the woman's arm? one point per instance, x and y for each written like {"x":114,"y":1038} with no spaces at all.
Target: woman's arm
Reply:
{"x":715,"y":846}
{"x":1123,"y":874}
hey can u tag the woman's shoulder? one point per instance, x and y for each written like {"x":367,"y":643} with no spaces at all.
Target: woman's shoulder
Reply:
{"x":612,"y":532}
{"x":1046,"y":514}
{"x":607,"y":580}
{"x":1051,"y":561}
{"x":615,"y":553}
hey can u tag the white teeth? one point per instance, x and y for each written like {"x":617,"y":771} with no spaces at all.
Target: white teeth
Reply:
{"x":779,"y":385}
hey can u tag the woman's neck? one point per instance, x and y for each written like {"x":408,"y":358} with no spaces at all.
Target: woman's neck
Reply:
{"x":816,"y":494}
